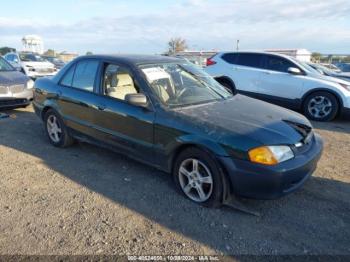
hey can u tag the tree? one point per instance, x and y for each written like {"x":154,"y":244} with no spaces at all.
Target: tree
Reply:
{"x":316,"y":57}
{"x":176,"y":45}
{"x":89,"y":53}
{"x":50,"y":52}
{"x":4,"y":50}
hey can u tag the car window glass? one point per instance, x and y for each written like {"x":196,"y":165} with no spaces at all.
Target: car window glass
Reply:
{"x":10,"y":58}
{"x":84,"y":75}
{"x":276,"y":63}
{"x":118,"y":82}
{"x":230,"y":58}
{"x":252,"y":60}
{"x":68,"y":77}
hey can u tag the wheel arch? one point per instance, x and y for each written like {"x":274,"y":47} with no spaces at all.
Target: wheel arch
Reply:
{"x":225,"y":79}
{"x":322,"y":89}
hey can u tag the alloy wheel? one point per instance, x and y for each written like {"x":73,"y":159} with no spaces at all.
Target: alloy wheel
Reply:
{"x":195,"y":180}
{"x":53,"y":128}
{"x":320,"y":106}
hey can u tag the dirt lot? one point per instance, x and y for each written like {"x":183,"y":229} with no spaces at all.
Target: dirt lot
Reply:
{"x":87,"y":200}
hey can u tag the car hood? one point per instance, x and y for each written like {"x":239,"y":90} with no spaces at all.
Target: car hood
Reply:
{"x":12,"y":78}
{"x":39,"y":65}
{"x":247,"y":122}
{"x":333,"y":79}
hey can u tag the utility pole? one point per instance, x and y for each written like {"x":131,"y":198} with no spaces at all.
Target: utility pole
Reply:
{"x":237,"y":45}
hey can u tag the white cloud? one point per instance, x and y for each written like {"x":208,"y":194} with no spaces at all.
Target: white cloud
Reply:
{"x":321,"y":25}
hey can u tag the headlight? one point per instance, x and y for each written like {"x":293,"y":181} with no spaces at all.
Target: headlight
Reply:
{"x":345,"y":86}
{"x":29,"y":84}
{"x":270,"y":155}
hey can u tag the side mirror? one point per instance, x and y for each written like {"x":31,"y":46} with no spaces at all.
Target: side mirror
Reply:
{"x":137,"y":99}
{"x":294,"y":71}
{"x":15,"y":60}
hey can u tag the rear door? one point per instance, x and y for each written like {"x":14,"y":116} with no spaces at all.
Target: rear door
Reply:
{"x":246,"y":70}
{"x":120,"y":124}
{"x":78,"y":100}
{"x":279,"y":85}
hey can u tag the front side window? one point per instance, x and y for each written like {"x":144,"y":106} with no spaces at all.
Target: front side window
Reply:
{"x":279,"y":64}
{"x":84,"y":75}
{"x":181,"y":84}
{"x":118,"y":82}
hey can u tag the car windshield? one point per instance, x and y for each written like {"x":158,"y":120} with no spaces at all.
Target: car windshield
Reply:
{"x":31,"y":58}
{"x":5,"y":66}
{"x":181,"y":84}
{"x":305,"y":66}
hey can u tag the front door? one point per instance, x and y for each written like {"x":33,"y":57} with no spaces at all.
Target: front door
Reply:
{"x":120,"y":124}
{"x":277,"y":84}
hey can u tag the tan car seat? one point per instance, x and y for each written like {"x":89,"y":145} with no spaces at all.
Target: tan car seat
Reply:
{"x":121,"y":85}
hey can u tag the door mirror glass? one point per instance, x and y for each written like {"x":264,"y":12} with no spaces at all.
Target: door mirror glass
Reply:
{"x":137,"y":99}
{"x":294,"y":71}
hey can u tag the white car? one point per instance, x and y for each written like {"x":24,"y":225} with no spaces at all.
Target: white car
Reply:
{"x":31,"y":64}
{"x":282,"y":80}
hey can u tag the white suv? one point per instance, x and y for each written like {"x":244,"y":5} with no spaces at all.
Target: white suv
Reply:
{"x":282,"y":80}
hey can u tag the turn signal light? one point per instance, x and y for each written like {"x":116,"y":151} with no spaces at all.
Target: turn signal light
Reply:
{"x":262,"y":155}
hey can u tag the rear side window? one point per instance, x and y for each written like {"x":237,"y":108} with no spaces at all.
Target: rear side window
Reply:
{"x":279,"y":64}
{"x":84,"y":75}
{"x":68,"y":77}
{"x":252,"y":60}
{"x":230,"y":58}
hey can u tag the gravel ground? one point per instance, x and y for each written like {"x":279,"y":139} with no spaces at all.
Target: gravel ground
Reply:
{"x":87,"y":200}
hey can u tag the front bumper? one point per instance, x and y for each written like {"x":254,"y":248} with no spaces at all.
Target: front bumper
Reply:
{"x":11,"y":100}
{"x":35,"y":75}
{"x":258,"y":181}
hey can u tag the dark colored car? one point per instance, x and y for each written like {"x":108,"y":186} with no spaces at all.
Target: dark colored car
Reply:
{"x":16,"y":89}
{"x":328,"y":72}
{"x":170,"y":114}
{"x":54,"y":60}
{"x":344,"y":67}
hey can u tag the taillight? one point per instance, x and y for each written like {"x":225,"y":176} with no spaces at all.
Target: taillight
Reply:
{"x":210,"y":61}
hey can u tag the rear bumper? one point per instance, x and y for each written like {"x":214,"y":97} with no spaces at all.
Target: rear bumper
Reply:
{"x":270,"y":182}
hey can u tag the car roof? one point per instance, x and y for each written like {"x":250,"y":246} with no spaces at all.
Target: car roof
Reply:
{"x":134,"y":59}
{"x":254,"y":52}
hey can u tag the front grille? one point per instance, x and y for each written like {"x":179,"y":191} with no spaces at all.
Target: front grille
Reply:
{"x":3,"y":90}
{"x":16,"y":88}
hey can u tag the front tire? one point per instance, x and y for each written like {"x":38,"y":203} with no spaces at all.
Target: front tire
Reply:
{"x":56,"y":130}
{"x":321,"y":106}
{"x":198,"y":176}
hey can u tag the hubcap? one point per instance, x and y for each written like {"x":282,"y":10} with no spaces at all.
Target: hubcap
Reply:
{"x":196,"y":180}
{"x":320,"y":106}
{"x":53,"y":128}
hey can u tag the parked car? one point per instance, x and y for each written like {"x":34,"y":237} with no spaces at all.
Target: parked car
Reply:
{"x":16,"y":89}
{"x":58,"y":63}
{"x":282,"y":80}
{"x":327,"y":72}
{"x":344,"y":67}
{"x":331,"y":67}
{"x":170,"y":114}
{"x":31,"y":64}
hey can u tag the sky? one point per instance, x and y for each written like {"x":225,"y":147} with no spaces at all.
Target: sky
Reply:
{"x":135,"y":26}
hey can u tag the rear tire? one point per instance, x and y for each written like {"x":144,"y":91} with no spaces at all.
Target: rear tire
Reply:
{"x":321,"y":106}
{"x":56,"y":130}
{"x":198,"y":176}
